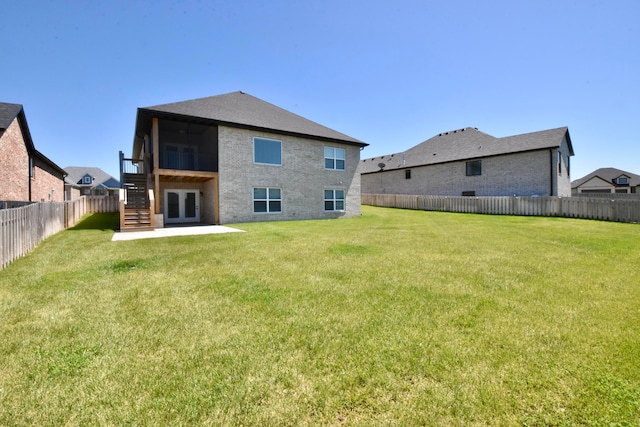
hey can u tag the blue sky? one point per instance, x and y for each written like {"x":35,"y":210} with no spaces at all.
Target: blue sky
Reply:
{"x":390,"y":73}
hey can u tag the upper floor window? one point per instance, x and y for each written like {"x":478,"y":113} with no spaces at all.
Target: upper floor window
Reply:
{"x":474,"y":168}
{"x":267,"y":151}
{"x":86,"y":179}
{"x":559,"y":163}
{"x":623,"y":180}
{"x":407,"y":174}
{"x":334,"y":200}
{"x":31,"y":168}
{"x":267,"y":200}
{"x":334,"y":158}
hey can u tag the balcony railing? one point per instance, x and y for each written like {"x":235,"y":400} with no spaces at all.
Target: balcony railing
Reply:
{"x":186,"y":161}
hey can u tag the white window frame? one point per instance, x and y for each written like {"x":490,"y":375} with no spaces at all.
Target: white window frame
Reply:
{"x":334,"y":200}
{"x":333,"y":156}
{"x":86,"y":179}
{"x":267,"y":200}
{"x":270,"y":140}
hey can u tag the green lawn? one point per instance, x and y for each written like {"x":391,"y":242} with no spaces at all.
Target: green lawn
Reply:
{"x":394,"y":318}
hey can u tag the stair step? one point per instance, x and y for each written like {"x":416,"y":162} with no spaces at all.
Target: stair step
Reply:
{"x":137,"y":215}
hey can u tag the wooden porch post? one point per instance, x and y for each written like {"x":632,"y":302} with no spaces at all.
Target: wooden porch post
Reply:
{"x":155,"y":137}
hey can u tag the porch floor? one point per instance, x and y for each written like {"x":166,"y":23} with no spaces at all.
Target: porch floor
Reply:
{"x":173,"y":231}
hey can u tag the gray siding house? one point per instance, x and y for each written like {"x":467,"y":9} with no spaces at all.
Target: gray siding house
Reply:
{"x":235,"y":158}
{"x":607,"y":181}
{"x":88,"y":181}
{"x":467,"y":162}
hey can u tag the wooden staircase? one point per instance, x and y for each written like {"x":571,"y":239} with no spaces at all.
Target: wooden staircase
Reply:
{"x":137,"y":215}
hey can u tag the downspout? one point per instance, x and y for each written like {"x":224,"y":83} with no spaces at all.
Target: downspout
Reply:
{"x":551,"y":171}
{"x":29,"y":175}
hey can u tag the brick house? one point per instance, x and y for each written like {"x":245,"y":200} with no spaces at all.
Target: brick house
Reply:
{"x":25,"y":173}
{"x":467,"y":162}
{"x":235,"y":158}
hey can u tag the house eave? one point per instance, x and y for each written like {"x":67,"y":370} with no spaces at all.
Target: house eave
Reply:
{"x":463,"y":159}
{"x":139,"y":135}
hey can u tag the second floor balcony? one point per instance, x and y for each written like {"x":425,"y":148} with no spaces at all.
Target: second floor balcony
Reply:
{"x":187,"y":159}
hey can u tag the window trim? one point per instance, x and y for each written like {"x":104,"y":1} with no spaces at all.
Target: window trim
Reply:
{"x":469,"y":164}
{"x":270,"y":140}
{"x":267,"y":200}
{"x":335,"y":158}
{"x":334,"y":200}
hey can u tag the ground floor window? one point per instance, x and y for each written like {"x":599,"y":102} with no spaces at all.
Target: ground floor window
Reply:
{"x":267,"y":200}
{"x":334,"y":200}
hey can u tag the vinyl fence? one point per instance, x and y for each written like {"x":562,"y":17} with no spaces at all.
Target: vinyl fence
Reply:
{"x":23,"y":227}
{"x":621,"y":210}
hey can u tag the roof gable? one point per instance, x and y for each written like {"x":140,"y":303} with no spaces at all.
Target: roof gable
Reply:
{"x":8,"y":112}
{"x":239,"y":109}
{"x":609,"y":175}
{"x":75,"y":175}
{"x":596,"y":182}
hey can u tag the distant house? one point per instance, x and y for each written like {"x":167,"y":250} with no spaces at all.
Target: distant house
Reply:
{"x":607,"y":180}
{"x":25,"y":173}
{"x":467,"y":162}
{"x":89,"y":181}
{"x":235,"y":158}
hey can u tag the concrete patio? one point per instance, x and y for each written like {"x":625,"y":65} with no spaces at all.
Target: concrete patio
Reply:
{"x":173,"y":231}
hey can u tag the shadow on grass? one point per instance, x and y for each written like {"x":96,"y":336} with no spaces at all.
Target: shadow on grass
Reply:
{"x":99,"y":221}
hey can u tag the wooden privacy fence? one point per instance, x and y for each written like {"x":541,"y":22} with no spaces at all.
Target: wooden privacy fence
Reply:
{"x":22,"y":228}
{"x":621,"y":210}
{"x":81,"y":206}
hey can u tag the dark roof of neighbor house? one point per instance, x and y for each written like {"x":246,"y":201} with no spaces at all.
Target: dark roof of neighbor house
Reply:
{"x":465,"y":144}
{"x":239,"y":109}
{"x":9,"y":112}
{"x":608,"y":175}
{"x":101,"y":179}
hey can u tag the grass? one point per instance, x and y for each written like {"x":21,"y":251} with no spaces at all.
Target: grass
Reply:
{"x":393,"y":318}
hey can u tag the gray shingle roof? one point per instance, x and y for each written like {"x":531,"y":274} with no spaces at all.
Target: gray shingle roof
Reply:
{"x":101,"y":178}
{"x":240,"y":109}
{"x":8,"y":112}
{"x":607,"y":174}
{"x":463,"y":144}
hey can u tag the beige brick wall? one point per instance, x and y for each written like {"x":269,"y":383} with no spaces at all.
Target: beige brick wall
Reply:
{"x":14,"y":165}
{"x":521,"y":174}
{"x":302,"y":177}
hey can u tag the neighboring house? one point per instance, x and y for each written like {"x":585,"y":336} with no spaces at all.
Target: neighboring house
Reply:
{"x":25,"y":173}
{"x":468,"y":162}
{"x":88,"y":181}
{"x":607,"y":180}
{"x":235,"y":158}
